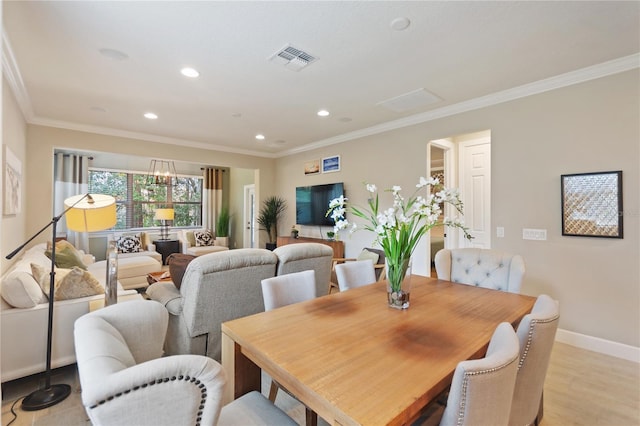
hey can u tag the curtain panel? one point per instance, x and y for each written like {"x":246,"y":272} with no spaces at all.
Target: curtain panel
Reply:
{"x":71,"y":177}
{"x":211,"y":196}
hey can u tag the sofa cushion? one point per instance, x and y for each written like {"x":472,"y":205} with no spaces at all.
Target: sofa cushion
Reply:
{"x":129,"y":243}
{"x":69,"y":283}
{"x":190,"y":238}
{"x":21,"y":290}
{"x":67,"y":256}
{"x":203,"y":238}
{"x":366,"y":255}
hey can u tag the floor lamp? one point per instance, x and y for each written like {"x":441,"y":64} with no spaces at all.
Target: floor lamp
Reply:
{"x":85,"y":213}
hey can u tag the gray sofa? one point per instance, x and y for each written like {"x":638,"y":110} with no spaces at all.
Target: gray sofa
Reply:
{"x":222,"y":286}
{"x":216,"y":287}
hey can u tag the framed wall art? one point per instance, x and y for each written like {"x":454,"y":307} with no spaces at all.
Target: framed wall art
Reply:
{"x":312,"y":167}
{"x":592,"y":204}
{"x":331,"y":164}
{"x":12,"y":183}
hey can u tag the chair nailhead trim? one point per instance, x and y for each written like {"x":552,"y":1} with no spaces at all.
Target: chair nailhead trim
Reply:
{"x":187,"y":379}
{"x":532,"y":327}
{"x":465,"y":382}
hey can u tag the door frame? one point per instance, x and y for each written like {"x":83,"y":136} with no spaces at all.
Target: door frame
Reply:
{"x":249,"y":229}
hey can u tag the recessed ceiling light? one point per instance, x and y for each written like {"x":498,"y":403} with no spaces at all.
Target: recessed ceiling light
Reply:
{"x":189,"y":72}
{"x":113,"y":54}
{"x":150,"y":116}
{"x":323,"y":113}
{"x":260,"y":137}
{"x":400,"y":24}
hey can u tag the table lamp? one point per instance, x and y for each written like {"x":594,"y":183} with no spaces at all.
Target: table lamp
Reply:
{"x":164,"y":215}
{"x":85,"y":213}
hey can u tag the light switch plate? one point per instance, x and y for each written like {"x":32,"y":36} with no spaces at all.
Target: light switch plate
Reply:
{"x":534,"y":234}
{"x":500,"y":232}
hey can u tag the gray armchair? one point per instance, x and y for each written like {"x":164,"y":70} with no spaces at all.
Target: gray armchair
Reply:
{"x":125,"y":381}
{"x":215,"y":288}
{"x":307,"y":256}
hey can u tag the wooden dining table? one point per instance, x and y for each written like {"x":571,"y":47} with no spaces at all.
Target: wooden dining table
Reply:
{"x":354,"y":360}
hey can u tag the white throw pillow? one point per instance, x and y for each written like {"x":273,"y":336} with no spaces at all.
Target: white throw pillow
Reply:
{"x":21,"y":290}
{"x":69,"y":283}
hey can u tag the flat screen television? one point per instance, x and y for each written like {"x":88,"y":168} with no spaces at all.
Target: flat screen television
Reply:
{"x":312,"y":203}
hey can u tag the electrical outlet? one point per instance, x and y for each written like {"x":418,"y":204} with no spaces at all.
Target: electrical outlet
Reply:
{"x":500,"y":232}
{"x":534,"y":234}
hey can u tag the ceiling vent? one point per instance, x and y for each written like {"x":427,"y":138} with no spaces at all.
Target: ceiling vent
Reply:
{"x":292,"y":58}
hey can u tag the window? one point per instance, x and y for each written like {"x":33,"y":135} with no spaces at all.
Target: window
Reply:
{"x":136,"y":201}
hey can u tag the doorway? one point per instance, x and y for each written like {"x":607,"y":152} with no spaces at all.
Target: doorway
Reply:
{"x":463,"y":162}
{"x":249,"y":217}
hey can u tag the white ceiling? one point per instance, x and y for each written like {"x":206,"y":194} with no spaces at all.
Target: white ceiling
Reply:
{"x":466,"y":53}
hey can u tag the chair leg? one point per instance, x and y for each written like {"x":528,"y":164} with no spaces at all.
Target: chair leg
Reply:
{"x":273,"y":391}
{"x":311,"y":417}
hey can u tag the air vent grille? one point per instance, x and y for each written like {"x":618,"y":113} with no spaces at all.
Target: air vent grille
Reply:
{"x":292,"y":58}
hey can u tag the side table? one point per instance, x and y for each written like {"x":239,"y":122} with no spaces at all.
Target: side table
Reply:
{"x":167,"y":247}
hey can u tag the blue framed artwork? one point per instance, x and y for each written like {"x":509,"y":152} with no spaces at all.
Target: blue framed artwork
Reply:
{"x":331,"y":164}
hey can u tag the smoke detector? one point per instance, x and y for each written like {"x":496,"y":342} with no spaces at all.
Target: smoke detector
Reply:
{"x":292,"y":58}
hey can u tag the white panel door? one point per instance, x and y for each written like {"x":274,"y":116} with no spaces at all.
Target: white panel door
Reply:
{"x":475,"y":188}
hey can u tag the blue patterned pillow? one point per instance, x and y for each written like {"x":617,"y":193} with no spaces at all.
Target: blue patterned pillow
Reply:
{"x":129,"y":244}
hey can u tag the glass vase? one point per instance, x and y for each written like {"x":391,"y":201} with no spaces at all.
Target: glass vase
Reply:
{"x":398,"y":283}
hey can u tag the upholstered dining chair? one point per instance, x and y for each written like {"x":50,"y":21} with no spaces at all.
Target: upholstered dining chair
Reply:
{"x":481,"y":267}
{"x":284,"y":290}
{"x":536,"y":332}
{"x":482,"y":389}
{"x":355,"y":274}
{"x":377,"y":256}
{"x":303,"y":257}
{"x":121,"y":369}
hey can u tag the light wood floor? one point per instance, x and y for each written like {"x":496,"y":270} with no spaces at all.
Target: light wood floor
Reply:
{"x":582,"y":388}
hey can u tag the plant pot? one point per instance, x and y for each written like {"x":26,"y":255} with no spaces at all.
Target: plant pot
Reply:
{"x":221,"y":241}
{"x":271,"y":246}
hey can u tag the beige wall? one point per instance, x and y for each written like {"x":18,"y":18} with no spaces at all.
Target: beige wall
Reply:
{"x":592,"y":126}
{"x":14,"y":130}
{"x":589,"y":127}
{"x":42,"y":141}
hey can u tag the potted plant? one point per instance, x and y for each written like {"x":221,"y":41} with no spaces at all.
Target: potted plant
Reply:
{"x":272,"y":210}
{"x":294,"y":232}
{"x":331,"y":235}
{"x":222,"y":228}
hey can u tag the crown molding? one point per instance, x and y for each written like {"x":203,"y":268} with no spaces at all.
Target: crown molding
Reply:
{"x":11,"y":72}
{"x":626,"y":63}
{"x":563,"y":80}
{"x":108,"y":131}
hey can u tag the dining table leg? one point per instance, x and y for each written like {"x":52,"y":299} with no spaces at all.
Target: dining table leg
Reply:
{"x":243,"y":376}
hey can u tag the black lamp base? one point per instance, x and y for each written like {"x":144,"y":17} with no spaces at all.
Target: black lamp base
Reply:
{"x":43,"y":398}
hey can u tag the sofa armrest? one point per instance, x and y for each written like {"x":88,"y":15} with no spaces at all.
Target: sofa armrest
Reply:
{"x":87,"y":258}
{"x":168,"y":295}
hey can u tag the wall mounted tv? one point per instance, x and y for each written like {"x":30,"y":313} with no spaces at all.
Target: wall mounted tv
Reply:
{"x":312,"y":203}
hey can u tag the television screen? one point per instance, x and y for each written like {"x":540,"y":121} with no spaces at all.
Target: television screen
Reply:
{"x":312,"y":203}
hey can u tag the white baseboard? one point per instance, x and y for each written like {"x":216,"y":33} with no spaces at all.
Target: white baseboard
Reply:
{"x":596,"y":344}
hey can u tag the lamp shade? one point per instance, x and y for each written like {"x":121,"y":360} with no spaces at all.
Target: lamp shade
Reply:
{"x":164,"y":214}
{"x":90,"y":212}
